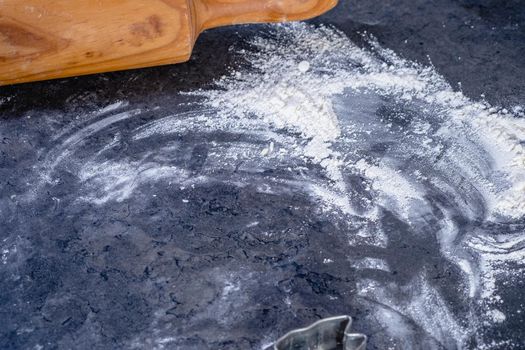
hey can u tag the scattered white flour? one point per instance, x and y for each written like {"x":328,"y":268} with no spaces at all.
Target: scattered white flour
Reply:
{"x":371,"y":263}
{"x":303,"y":66}
{"x":500,"y":256}
{"x":117,"y":181}
{"x":473,"y":142}
{"x":496,"y":316}
{"x":292,"y":100}
{"x":310,"y":104}
{"x":391,"y":185}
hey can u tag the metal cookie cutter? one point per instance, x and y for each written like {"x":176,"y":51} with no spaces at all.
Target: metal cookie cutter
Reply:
{"x":332,"y":333}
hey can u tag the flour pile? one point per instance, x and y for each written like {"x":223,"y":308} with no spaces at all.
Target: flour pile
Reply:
{"x":431,"y":143}
{"x":280,"y":92}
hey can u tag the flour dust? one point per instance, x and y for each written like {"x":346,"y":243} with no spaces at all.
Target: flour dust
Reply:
{"x":417,"y":147}
{"x":385,"y":146}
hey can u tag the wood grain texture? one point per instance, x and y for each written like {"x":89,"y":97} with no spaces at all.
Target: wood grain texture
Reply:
{"x":46,"y":39}
{"x":217,"y":13}
{"x":42,"y":39}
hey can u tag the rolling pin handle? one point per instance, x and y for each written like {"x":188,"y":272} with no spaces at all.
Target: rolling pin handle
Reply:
{"x":216,"y":13}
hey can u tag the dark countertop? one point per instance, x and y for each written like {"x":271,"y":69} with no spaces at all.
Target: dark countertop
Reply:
{"x":182,"y":266}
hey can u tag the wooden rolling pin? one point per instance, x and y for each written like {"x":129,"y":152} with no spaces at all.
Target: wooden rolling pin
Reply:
{"x":46,"y":39}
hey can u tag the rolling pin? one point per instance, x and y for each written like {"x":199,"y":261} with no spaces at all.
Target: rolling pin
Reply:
{"x":47,"y":39}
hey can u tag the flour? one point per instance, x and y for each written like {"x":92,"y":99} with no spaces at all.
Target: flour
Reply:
{"x":303,"y":67}
{"x":390,"y":185}
{"x":117,"y":181}
{"x":496,"y":315}
{"x":364,"y":135}
{"x":301,"y":100}
{"x":471,"y":150}
{"x":500,"y":256}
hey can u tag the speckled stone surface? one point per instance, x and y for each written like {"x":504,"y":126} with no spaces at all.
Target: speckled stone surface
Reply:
{"x":155,"y":270}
